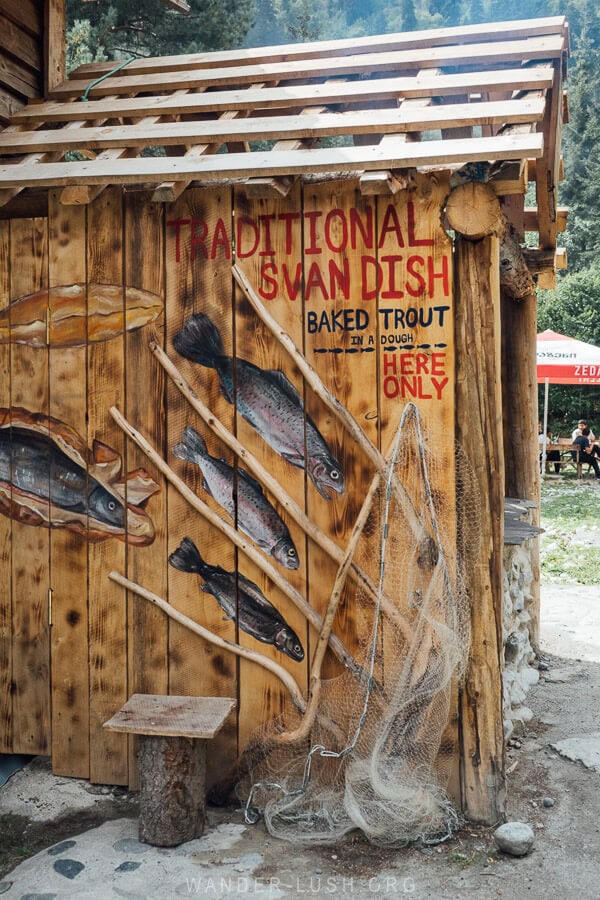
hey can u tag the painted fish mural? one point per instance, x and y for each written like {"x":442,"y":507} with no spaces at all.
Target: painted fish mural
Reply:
{"x":48,"y":477}
{"x":267,"y":400}
{"x":76,"y":314}
{"x":255,"y":614}
{"x":255,"y":515}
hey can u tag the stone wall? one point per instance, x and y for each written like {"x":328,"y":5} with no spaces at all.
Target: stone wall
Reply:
{"x":519,"y":674}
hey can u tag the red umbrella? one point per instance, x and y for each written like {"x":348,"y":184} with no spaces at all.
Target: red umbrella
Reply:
{"x":564,"y":360}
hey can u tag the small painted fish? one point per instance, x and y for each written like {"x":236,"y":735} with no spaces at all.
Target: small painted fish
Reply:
{"x":255,"y":515}
{"x":267,"y":400}
{"x":255,"y":614}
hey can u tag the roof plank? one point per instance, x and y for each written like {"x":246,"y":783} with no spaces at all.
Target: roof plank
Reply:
{"x":516,"y":79}
{"x":503,"y":52}
{"x":309,"y":125}
{"x":463,"y":34}
{"x":246,"y":165}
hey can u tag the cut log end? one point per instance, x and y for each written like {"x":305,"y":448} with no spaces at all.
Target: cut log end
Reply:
{"x":473,"y":210}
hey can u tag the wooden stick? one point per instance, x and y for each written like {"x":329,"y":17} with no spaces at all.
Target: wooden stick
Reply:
{"x":269,"y":570}
{"x":338,"y":409}
{"x":314,"y":691}
{"x":264,"y":476}
{"x":277,"y":670}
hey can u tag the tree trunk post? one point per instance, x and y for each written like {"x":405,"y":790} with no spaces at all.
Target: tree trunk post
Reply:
{"x":520,"y":411}
{"x":479,"y":432}
{"x":173,"y":789}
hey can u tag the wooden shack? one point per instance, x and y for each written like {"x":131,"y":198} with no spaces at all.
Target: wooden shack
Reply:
{"x":370,"y":193}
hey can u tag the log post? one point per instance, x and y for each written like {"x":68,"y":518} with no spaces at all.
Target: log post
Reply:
{"x":473,"y":211}
{"x":479,"y":432}
{"x":520,"y":411}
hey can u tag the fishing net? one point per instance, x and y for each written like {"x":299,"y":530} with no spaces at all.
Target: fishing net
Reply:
{"x":380,"y":750}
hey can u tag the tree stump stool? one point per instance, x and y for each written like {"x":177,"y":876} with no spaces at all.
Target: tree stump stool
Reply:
{"x":173,"y":735}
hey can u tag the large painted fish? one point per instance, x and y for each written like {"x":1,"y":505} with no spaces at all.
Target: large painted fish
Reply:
{"x":265,"y":399}
{"x":48,"y":477}
{"x":72,"y":315}
{"x":255,"y":515}
{"x":241,"y":600}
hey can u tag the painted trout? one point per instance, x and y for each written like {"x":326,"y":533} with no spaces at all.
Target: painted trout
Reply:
{"x":34,"y":464}
{"x":241,"y":600}
{"x":267,"y":400}
{"x":255,"y":515}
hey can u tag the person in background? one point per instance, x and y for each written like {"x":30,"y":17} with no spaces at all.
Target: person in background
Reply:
{"x":551,"y":455}
{"x":584,"y":450}
{"x":595,"y":448}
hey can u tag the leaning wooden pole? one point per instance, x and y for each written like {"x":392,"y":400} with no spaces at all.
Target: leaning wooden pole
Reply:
{"x":316,"y":534}
{"x":236,"y":538}
{"x":258,"y":658}
{"x":313,"y":380}
{"x":314,"y":686}
{"x":479,"y":432}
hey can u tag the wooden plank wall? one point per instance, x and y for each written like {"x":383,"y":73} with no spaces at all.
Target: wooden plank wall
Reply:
{"x":21,"y":54}
{"x":308,"y":255}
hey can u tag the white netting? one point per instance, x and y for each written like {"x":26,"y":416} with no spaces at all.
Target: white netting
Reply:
{"x":378,"y":755}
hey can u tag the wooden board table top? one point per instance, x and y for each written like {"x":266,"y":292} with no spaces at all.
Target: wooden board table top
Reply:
{"x":168,"y":716}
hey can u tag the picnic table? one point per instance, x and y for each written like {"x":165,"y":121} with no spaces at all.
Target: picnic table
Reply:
{"x":568,"y":456}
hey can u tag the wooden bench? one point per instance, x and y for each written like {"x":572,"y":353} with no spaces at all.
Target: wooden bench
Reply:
{"x":567,"y":450}
{"x":173,"y":736}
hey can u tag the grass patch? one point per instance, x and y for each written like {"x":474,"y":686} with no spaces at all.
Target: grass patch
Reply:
{"x":570,"y":546}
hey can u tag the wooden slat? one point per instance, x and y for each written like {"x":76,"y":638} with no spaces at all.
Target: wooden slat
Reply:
{"x":6,"y":606}
{"x":19,"y":43}
{"x":291,"y":95}
{"x":246,"y":165}
{"x":198,"y":279}
{"x":261,"y":696}
{"x":503,"y":52}
{"x":464,"y":34}
{"x":54,"y":44}
{"x":308,"y":125}
{"x":19,"y":78}
{"x":547,"y":173}
{"x":147,"y":627}
{"x":30,"y":545}
{"x":25,"y":13}
{"x":107,"y":611}
{"x":191,"y":717}
{"x":532,"y":222}
{"x":68,"y":551}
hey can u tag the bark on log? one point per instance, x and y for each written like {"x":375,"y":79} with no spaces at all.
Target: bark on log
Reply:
{"x":479,"y":432}
{"x":520,"y":414}
{"x":173,"y":789}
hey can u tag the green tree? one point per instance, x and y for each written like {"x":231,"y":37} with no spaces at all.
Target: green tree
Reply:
{"x":150,"y":28}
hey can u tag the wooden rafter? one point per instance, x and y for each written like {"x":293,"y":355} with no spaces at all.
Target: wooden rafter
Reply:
{"x":426,"y":100}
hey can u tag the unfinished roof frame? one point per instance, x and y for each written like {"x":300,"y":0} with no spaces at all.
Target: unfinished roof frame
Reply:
{"x":429,"y":100}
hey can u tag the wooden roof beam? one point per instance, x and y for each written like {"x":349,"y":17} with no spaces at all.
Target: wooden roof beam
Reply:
{"x":531,"y":220}
{"x":396,"y":155}
{"x":414,"y":115}
{"x":464,"y":35}
{"x":484,"y":54}
{"x":386,"y":181}
{"x":290,"y":96}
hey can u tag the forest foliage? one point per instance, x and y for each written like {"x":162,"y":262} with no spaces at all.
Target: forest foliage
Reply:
{"x":109,"y":30}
